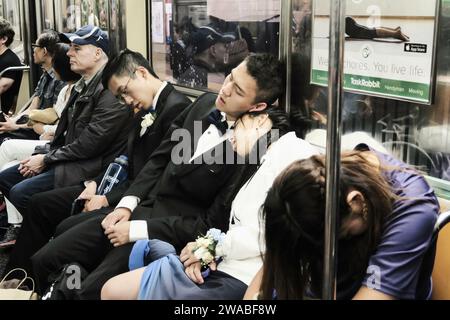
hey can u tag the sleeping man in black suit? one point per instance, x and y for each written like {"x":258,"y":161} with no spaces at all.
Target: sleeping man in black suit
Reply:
{"x":132,"y":80}
{"x":169,"y":200}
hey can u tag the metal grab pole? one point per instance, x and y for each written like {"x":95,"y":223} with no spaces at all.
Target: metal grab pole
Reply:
{"x":286,"y":49}
{"x":335,"y":103}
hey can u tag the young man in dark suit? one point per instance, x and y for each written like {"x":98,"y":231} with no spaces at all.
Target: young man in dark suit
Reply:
{"x":169,"y":200}
{"x":132,"y":80}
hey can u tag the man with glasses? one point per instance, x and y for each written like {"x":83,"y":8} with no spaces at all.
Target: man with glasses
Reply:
{"x":133,"y":81}
{"x":92,"y":131}
{"x":46,"y":92}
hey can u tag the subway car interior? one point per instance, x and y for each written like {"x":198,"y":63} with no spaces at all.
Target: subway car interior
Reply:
{"x":98,"y":96}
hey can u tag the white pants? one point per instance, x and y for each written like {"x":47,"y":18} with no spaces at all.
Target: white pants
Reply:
{"x":17,"y":150}
{"x":11,"y":153}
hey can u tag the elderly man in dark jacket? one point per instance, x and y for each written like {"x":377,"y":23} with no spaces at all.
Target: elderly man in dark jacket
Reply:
{"x":93,"y":128}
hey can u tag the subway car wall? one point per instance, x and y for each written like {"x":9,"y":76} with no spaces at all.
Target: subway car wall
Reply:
{"x":30,"y":18}
{"x":174,"y":35}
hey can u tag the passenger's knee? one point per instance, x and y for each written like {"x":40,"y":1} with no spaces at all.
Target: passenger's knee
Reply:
{"x":18,"y":195}
{"x":108,"y":292}
{"x":37,"y":260}
{"x":6,"y":148}
{"x":36,"y":201}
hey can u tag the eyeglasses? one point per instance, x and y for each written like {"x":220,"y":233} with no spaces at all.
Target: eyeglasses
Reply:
{"x":124,"y":92}
{"x":34,"y":46}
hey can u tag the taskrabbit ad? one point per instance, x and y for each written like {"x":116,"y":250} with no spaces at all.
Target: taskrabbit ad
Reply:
{"x":389,"y":47}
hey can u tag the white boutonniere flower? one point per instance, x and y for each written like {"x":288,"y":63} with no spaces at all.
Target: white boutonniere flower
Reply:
{"x":206,"y":246}
{"x":147,"y":121}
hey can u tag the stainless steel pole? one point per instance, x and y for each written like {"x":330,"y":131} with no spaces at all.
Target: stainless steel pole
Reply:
{"x":286,"y":49}
{"x":334,"y":127}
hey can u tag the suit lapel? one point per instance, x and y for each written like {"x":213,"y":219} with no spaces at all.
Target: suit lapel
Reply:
{"x":199,"y":119}
{"x":135,"y":134}
{"x":163,"y":99}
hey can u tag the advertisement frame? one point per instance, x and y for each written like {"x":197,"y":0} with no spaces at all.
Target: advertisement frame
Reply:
{"x":432,"y":82}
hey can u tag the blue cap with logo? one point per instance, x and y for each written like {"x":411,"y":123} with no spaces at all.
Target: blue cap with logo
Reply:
{"x":88,"y":35}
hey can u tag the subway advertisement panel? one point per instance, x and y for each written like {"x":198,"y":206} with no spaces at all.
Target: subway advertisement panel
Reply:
{"x":389,"y":47}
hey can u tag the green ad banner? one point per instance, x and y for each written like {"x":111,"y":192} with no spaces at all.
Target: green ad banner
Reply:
{"x":419,"y":92}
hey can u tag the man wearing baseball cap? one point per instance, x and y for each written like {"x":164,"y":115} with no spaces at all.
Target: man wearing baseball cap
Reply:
{"x":88,"y":35}
{"x":92,"y":131}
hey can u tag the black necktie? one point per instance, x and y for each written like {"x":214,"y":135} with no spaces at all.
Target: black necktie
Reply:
{"x":215,"y":118}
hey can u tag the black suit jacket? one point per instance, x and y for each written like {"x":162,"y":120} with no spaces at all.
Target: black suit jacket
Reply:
{"x":171,"y":104}
{"x":178,"y":201}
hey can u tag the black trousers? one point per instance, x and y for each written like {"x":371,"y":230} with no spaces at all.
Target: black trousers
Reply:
{"x":81,"y":239}
{"x":45,"y":212}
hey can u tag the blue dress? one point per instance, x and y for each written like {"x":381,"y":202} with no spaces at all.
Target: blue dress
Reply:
{"x":164,"y":277}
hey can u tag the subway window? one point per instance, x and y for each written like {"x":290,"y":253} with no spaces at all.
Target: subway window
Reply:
{"x":11,"y":10}
{"x":413,"y":131}
{"x":196,"y":44}
{"x":107,"y":14}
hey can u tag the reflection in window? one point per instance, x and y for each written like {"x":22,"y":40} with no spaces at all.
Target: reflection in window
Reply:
{"x":10,"y":10}
{"x":47,"y":20}
{"x":68,"y":13}
{"x":89,"y":13}
{"x":197,"y":43}
{"x":417,"y":134}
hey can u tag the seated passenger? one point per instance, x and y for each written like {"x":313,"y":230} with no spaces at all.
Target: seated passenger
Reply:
{"x":386,"y":219}
{"x":93,"y":129}
{"x":14,"y":151}
{"x":10,"y":80}
{"x":177,"y":194}
{"x":46,"y":94}
{"x":240,"y":247}
{"x":131,"y":78}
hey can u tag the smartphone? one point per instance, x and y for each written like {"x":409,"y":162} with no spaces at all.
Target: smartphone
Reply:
{"x":77,"y":206}
{"x":2,"y":117}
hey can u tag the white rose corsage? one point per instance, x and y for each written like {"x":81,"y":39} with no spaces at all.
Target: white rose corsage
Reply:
{"x":205,"y":249}
{"x":147,"y":121}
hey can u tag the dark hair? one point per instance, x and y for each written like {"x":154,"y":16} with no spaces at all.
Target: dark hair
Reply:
{"x":280,"y":126}
{"x":6,"y":30}
{"x":294,"y":213}
{"x":48,"y":39}
{"x":301,"y":112}
{"x":61,"y":63}
{"x":268,"y":72}
{"x":279,"y":118}
{"x":125,"y":64}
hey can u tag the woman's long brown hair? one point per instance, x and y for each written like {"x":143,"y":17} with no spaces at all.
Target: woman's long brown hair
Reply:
{"x":294,"y":214}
